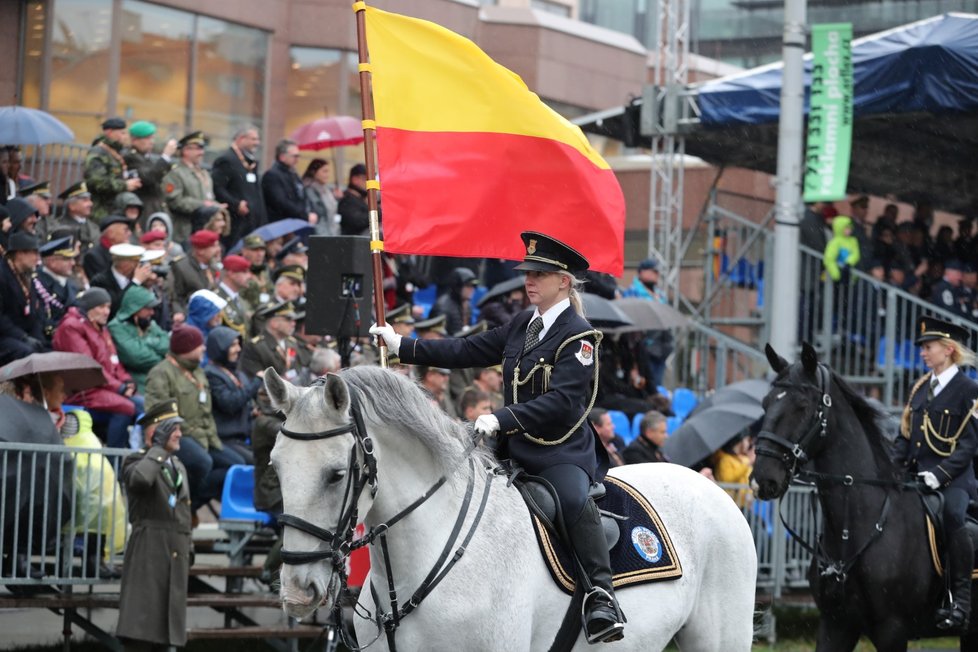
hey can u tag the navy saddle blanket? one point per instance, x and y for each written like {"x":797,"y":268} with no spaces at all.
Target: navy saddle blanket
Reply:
{"x":644,"y":551}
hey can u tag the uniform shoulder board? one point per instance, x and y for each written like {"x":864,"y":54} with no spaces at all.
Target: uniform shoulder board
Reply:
{"x":179,"y":258}
{"x":256,"y":339}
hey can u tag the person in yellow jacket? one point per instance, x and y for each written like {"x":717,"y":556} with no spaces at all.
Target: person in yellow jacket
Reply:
{"x":842,"y":251}
{"x":732,"y":464}
{"x":100,"y":509}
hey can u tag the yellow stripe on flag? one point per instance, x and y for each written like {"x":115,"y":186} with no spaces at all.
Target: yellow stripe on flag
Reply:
{"x":428,"y":78}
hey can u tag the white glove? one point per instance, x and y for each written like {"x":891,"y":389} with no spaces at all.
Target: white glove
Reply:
{"x":929,"y":479}
{"x":392,"y":339}
{"x":487,"y":425}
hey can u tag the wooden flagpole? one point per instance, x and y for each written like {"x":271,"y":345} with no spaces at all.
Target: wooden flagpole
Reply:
{"x":373,"y":186}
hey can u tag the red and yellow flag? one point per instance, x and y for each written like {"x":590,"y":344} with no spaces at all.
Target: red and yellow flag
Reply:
{"x":469,"y":157}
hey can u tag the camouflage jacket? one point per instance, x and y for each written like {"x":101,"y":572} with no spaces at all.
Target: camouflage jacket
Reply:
{"x":104,"y":175}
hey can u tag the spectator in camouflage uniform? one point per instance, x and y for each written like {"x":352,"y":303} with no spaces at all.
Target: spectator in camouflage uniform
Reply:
{"x":151,"y":167}
{"x":106,"y":173}
{"x":188,"y":186}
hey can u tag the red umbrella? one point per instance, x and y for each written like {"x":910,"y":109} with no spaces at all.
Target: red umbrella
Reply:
{"x":325,"y":133}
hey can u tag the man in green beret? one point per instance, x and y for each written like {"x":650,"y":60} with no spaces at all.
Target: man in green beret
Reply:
{"x":150,"y":166}
{"x":106,"y":172}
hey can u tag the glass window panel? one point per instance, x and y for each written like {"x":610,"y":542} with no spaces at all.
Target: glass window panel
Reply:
{"x":154,"y":66}
{"x":229,"y":87}
{"x":33,"y":55}
{"x":313,"y":86}
{"x":80,"y":64}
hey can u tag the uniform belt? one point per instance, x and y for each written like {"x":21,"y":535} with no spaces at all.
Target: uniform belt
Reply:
{"x":161,"y":525}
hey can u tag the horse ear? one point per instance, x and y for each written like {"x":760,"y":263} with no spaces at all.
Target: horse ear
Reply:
{"x":809,"y":359}
{"x":778,"y":363}
{"x":336,"y":393}
{"x":281,"y":393}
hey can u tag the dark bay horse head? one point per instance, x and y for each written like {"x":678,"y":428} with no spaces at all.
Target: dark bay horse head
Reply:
{"x":808,"y":410}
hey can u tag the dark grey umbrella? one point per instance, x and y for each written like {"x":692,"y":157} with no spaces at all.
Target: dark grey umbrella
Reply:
{"x":703,"y":434}
{"x":650,"y":315}
{"x":502,"y":289}
{"x":751,"y":392}
{"x":603,"y":313}
{"x":79,"y":371}
{"x":20,"y":125}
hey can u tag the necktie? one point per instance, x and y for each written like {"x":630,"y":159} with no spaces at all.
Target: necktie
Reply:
{"x":533,"y":333}
{"x":930,"y":389}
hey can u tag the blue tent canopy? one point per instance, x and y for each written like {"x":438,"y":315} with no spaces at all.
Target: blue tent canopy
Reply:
{"x":928,"y":66}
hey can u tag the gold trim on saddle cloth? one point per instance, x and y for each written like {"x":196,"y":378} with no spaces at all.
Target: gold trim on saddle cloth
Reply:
{"x":566,"y":580}
{"x":935,"y":557}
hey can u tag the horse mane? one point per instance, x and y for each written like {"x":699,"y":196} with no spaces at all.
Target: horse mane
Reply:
{"x":869,"y":418}
{"x":395,"y":401}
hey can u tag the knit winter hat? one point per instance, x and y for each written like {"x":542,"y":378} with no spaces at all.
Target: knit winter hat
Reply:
{"x":185,"y":339}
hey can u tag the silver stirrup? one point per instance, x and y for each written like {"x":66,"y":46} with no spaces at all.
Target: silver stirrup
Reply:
{"x":612,"y":632}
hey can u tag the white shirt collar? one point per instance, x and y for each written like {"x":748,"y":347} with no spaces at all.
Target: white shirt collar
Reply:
{"x":123,"y":281}
{"x":62,"y":280}
{"x":231,"y":293}
{"x":550,"y":316}
{"x":944,"y":378}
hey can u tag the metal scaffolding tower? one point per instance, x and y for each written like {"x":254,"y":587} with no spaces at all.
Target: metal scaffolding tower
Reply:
{"x":663,"y":110}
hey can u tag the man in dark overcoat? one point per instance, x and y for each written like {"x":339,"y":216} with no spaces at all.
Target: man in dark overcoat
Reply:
{"x":235,"y":176}
{"x":153,"y":602}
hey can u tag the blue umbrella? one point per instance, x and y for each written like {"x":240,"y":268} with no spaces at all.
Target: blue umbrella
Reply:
{"x":22,"y":126}
{"x":273,"y":230}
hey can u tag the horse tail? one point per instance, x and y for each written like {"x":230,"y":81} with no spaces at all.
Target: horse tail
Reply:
{"x":905,"y":419}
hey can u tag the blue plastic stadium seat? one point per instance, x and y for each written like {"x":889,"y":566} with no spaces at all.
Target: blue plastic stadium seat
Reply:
{"x":622,"y":426}
{"x":426,"y":298}
{"x":636,"y":428}
{"x":238,"y":500}
{"x":672,"y":424}
{"x":664,"y":391}
{"x":683,"y":402}
{"x":478,"y":294}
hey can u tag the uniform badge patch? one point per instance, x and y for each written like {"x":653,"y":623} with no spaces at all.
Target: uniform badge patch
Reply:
{"x":586,"y":355}
{"x":646,"y":544}
{"x":169,"y":188}
{"x":947,"y":297}
{"x":532,"y":247}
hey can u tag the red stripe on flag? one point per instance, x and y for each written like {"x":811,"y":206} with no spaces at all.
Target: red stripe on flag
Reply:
{"x":471,"y":194}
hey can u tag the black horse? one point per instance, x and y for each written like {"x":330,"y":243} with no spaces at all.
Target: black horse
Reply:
{"x":871,"y":571}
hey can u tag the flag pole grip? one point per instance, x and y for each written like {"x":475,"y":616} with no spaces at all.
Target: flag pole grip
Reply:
{"x":367,"y":109}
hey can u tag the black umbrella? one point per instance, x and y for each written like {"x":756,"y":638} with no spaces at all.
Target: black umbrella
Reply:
{"x":603,"y":313}
{"x":703,"y":434}
{"x":650,"y":315}
{"x":79,"y":371}
{"x":49,"y":474}
{"x":751,"y":392}
{"x":501,"y":289}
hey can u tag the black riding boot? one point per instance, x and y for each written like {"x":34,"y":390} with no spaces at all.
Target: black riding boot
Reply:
{"x":603,"y":620}
{"x":960,"y":561}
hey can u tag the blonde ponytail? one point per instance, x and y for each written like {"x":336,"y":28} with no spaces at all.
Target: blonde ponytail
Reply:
{"x":574,"y":294}
{"x":962,"y":356}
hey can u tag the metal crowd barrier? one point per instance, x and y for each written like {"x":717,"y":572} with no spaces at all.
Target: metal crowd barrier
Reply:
{"x":60,"y":506}
{"x":62,"y":164}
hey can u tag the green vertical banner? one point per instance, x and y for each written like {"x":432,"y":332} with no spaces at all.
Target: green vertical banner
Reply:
{"x":829,"y":142}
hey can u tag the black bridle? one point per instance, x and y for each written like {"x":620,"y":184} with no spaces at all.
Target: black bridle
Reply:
{"x":362,"y":472}
{"x":793,"y":455}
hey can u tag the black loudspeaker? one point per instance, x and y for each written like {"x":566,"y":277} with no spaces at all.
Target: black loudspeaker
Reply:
{"x":339,"y":286}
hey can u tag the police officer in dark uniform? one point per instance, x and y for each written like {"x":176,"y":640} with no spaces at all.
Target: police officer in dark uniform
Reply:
{"x":940,"y":438}
{"x":549,"y":357}
{"x":949,"y":293}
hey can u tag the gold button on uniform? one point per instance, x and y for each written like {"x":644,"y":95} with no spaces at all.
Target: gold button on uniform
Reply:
{"x":175,"y":554}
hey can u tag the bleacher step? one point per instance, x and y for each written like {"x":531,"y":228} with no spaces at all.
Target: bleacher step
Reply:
{"x":111,"y":601}
{"x":200,"y":570}
{"x":299,"y":631}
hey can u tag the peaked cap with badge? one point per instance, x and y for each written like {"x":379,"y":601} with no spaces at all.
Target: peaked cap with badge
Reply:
{"x":546,"y":254}
{"x":75,"y":191}
{"x":932,"y":328}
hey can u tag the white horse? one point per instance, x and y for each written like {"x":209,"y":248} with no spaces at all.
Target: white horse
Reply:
{"x":500,"y":595}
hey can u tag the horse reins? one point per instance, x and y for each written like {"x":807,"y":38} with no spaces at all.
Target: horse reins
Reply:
{"x":360,"y":474}
{"x":795,"y":455}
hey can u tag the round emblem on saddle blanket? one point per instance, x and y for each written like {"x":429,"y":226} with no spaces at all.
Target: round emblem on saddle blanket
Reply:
{"x":646,"y":544}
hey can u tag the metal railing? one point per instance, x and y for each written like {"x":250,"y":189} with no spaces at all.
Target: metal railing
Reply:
{"x":61,"y":164}
{"x":865,"y":328}
{"x":707,"y":359}
{"x":62,"y":513}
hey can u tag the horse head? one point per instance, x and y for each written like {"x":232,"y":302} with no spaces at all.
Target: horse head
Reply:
{"x":794,"y":427}
{"x":319,"y":459}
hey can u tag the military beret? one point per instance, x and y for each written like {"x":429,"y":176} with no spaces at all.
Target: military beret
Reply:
{"x":126,"y":251}
{"x":114,"y":123}
{"x":294,"y":272}
{"x":142,"y":129}
{"x":74,"y":191}
{"x":236,"y":264}
{"x":60,"y":247}
{"x":42,"y":188}
{"x":160,"y":412}
{"x":203,"y":238}
{"x":151,"y":236}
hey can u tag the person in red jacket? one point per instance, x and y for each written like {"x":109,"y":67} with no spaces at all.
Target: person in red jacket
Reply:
{"x":114,"y":404}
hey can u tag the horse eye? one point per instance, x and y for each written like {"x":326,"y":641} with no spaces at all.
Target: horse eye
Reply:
{"x":335,"y":476}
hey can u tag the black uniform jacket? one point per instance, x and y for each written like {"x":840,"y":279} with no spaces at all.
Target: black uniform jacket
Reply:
{"x":544,"y":422}
{"x":951,"y":412}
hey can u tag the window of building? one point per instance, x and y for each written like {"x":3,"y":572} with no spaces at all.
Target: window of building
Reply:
{"x":154,"y":66}
{"x":551,"y":7}
{"x":34,"y":37}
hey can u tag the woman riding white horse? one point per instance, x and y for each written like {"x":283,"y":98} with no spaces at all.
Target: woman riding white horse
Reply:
{"x":550,"y":376}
